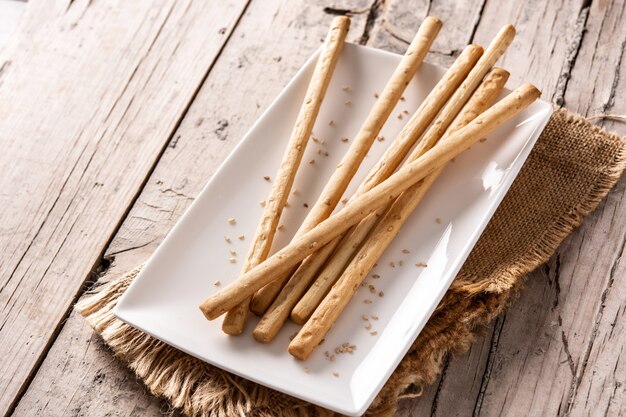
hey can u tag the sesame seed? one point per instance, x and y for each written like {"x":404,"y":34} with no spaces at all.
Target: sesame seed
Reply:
{"x":217,"y":283}
{"x":392,"y":264}
{"x":374,"y":317}
{"x":295,"y":191}
{"x":233,"y":252}
{"x":376,"y":95}
{"x":399,"y":116}
{"x":281,"y":227}
{"x":306,"y":370}
{"x":344,"y":139}
{"x":312,"y":161}
{"x":227,"y":239}
{"x":262,"y":203}
{"x":482,"y":140}
{"x":345,"y":88}
{"x":374,"y":333}
{"x":421,"y":264}
{"x":402,"y":98}
{"x":368,"y":326}
{"x":375,"y":276}
{"x":331,"y":122}
{"x":405,"y":111}
{"x":266,"y":178}
{"x":306,"y":205}
{"x":365,"y":317}
{"x":406,"y":251}
{"x":348,"y":103}
{"x":314,"y":139}
{"x":367,"y":301}
{"x":381,"y":294}
{"x":438,"y":220}
{"x":401,"y":263}
{"x":241,"y":237}
{"x":336,"y":374}
{"x":232,"y":221}
{"x":380,"y":138}
{"x":344,"y":201}
{"x":232,"y":260}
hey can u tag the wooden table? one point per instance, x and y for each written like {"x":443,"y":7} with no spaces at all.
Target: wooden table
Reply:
{"x":114,"y":114}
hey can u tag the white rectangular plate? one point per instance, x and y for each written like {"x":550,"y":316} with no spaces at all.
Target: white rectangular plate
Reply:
{"x":163,"y":300}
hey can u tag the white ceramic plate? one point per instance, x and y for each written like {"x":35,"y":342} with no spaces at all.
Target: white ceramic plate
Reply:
{"x":163,"y":300}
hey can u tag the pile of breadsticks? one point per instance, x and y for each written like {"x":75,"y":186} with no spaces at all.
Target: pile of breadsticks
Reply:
{"x":312,"y":279}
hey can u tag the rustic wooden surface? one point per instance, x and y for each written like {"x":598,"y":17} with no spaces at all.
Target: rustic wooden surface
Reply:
{"x":131,"y":106}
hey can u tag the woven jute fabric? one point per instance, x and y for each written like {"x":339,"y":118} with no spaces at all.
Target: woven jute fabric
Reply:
{"x":572,"y":167}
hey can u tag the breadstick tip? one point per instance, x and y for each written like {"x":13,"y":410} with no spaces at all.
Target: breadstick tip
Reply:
{"x":498,"y":76}
{"x":208,"y":310}
{"x":530,"y":90}
{"x":433,"y":20}
{"x":506,"y":34}
{"x":298,"y":350}
{"x":261,"y":335}
{"x":297,"y":318}
{"x":475,"y":48}
{"x":500,"y":72}
{"x":341,"y":21}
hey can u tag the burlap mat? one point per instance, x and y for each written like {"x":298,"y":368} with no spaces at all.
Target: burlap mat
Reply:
{"x":572,"y":167}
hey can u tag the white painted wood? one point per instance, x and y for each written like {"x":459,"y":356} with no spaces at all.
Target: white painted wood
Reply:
{"x":573,"y":50}
{"x":10,"y":13}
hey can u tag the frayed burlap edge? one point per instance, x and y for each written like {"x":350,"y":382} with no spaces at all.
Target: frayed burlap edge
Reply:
{"x":503,"y":279}
{"x":200,"y":390}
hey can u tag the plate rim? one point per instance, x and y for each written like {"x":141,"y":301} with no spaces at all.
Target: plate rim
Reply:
{"x":126,"y":314}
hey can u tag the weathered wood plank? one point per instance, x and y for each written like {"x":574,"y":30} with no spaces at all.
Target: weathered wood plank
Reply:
{"x":473,"y":383}
{"x":10,"y":13}
{"x":601,"y":383}
{"x":87,"y":104}
{"x":537,"y":55}
{"x":398,"y":19}
{"x":576,"y":370}
{"x":269,"y":45}
{"x":461,"y":375}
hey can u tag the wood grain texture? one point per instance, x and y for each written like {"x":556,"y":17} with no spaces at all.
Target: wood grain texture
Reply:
{"x":573,"y":50}
{"x":86,"y":108}
{"x":565,"y":378}
{"x":279,"y":38}
{"x":10,"y":13}
{"x":540,"y":359}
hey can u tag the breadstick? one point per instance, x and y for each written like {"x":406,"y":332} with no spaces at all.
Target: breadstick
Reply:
{"x":235,"y":320}
{"x":334,"y":189}
{"x":332,"y":270}
{"x":379,"y":196}
{"x":279,"y":311}
{"x":334,"y":303}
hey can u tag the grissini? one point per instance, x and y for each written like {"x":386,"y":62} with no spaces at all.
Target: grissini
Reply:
{"x":334,"y":267}
{"x":379,"y":196}
{"x":337,"y":299}
{"x":235,"y":319}
{"x":336,"y":186}
{"x":279,"y":311}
